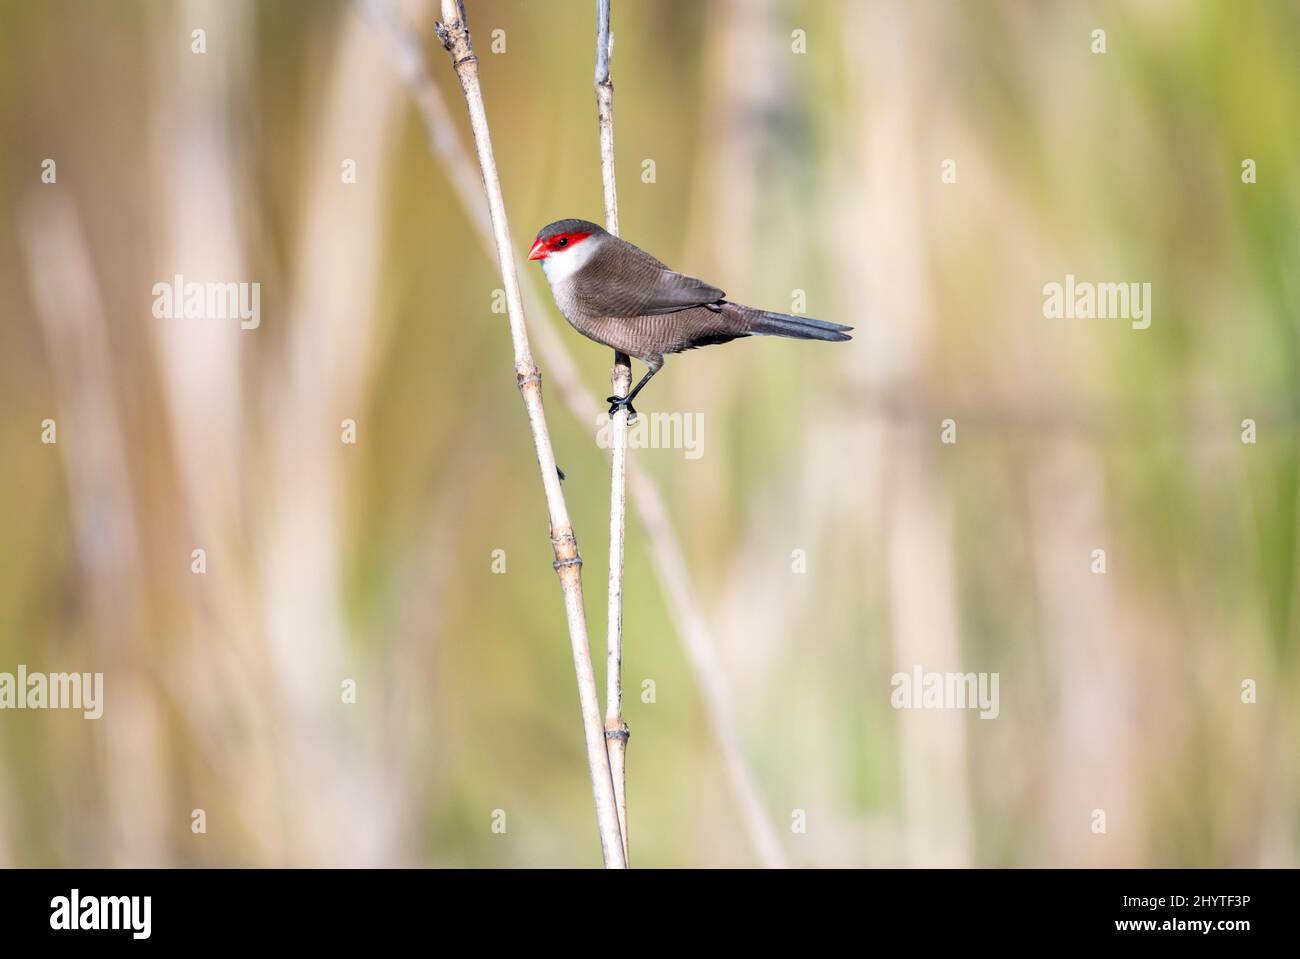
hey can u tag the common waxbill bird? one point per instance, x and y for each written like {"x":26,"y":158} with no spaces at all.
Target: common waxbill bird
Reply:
{"x":621,"y":296}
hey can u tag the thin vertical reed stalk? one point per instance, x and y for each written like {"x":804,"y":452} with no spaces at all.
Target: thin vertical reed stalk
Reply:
{"x":453,"y":30}
{"x":616,"y":729}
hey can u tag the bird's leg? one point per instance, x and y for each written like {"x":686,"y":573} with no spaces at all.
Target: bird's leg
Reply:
{"x":617,"y":403}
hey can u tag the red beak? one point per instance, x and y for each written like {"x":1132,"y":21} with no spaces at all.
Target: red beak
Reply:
{"x":538,"y":252}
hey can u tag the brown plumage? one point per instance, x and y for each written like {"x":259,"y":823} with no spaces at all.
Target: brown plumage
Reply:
{"x":622,"y":297}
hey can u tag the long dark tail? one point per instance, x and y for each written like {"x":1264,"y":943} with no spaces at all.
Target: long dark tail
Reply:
{"x":763,"y":323}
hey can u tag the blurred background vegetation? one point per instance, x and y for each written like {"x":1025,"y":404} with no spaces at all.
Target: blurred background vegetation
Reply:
{"x":775,"y":171}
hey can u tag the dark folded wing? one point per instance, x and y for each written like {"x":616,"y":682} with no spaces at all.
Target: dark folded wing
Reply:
{"x":634,"y":283}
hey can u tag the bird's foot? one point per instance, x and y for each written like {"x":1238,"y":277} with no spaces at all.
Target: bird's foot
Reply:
{"x":617,"y":403}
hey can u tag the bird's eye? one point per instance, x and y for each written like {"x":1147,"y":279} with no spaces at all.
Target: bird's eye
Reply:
{"x":562,"y":241}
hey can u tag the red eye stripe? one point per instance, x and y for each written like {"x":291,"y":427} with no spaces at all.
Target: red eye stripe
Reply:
{"x":563,"y":241}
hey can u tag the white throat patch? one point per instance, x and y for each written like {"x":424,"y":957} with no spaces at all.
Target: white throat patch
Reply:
{"x":562,"y":265}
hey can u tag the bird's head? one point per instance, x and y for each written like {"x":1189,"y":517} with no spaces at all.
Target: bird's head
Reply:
{"x":565,"y":243}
